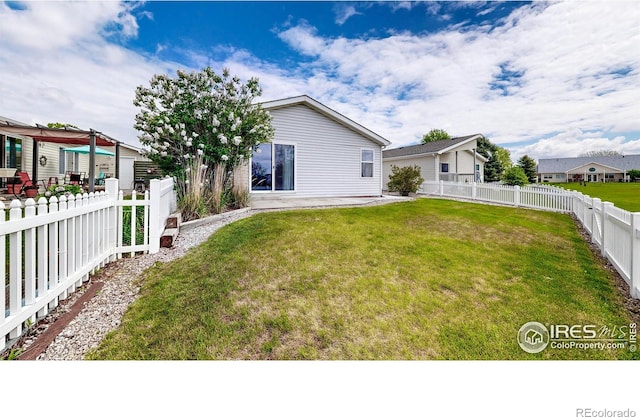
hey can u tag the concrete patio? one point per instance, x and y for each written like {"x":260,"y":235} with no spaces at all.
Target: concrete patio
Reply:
{"x":265,"y":203}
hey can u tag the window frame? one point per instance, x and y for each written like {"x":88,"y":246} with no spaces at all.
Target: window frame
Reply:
{"x":363,"y":162}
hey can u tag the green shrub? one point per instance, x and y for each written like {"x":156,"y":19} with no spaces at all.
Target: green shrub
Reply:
{"x":405,"y":180}
{"x":515,"y":176}
{"x":66,"y":190}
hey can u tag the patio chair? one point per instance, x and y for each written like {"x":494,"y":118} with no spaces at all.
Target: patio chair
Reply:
{"x":22,"y":180}
{"x":100,"y":179}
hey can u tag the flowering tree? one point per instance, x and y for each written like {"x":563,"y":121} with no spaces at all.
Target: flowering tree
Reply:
{"x":199,"y":126}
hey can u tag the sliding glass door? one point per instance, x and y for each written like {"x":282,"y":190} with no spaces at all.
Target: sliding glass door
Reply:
{"x":273,"y":168}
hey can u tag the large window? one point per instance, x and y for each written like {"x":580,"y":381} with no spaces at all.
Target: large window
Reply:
{"x":273,"y":168}
{"x":366,"y":163}
{"x":13,"y":153}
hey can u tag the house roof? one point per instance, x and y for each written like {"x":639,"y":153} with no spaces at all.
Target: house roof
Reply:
{"x":562,"y":165}
{"x":430,"y":148}
{"x":330,"y":113}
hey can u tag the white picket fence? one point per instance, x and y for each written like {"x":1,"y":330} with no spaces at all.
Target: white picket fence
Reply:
{"x":49,"y":248}
{"x":616,"y":232}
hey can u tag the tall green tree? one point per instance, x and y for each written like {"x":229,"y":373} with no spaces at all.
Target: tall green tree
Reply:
{"x":435,"y":135}
{"x":499,"y":159}
{"x":528,"y":165}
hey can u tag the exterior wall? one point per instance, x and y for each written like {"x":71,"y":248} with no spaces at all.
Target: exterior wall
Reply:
{"x":51,"y":151}
{"x":430,"y":166}
{"x":589,"y":177}
{"x":426,"y":164}
{"x":327,"y":156}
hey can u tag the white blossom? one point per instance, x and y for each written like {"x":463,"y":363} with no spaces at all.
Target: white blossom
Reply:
{"x":237,"y":140}
{"x":222,"y":138}
{"x":189,"y":143}
{"x":224,"y":157}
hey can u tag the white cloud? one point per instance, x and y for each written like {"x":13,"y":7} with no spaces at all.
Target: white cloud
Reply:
{"x":577,"y":84}
{"x":573,"y":142}
{"x":64,"y":70}
{"x":575,"y":62}
{"x":344,"y":11}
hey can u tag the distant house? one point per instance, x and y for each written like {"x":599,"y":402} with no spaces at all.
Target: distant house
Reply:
{"x":444,"y":160}
{"x":316,"y":152}
{"x":590,"y":169}
{"x":40,"y":151}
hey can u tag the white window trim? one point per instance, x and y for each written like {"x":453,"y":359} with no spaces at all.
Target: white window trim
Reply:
{"x":372,"y":162}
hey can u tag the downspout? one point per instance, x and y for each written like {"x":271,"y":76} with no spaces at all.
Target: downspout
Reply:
{"x":92,"y":159}
{"x":457,"y":172}
{"x":475,"y":174}
{"x":34,"y":162}
{"x":381,"y":171}
{"x":118,"y":160}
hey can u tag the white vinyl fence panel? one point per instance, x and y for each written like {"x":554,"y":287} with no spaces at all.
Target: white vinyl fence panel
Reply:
{"x":48,"y":248}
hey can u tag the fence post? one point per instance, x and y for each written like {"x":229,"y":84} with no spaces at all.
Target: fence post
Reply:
{"x":516,"y":195}
{"x":155,"y":228}
{"x":111,"y":186}
{"x":634,"y":271}
{"x":3,"y":258}
{"x":473,"y":190}
{"x":595,"y":207}
{"x":606,"y":208}
{"x":441,"y":188}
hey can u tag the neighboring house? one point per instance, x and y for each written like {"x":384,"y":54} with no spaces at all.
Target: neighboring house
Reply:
{"x":590,"y":169}
{"x":316,"y":152}
{"x":39,"y":151}
{"x":443,"y":160}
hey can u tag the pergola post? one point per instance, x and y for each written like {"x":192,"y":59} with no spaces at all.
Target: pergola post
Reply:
{"x":92,"y":159}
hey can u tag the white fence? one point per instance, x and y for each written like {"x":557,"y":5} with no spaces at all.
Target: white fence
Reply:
{"x":49,"y":248}
{"x":616,"y":232}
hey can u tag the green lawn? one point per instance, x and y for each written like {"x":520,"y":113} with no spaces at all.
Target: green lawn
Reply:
{"x":623,"y":195}
{"x":429,"y":279}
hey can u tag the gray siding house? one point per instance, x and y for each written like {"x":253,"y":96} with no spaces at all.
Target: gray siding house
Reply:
{"x":590,"y":169}
{"x":442,"y":160}
{"x":316,"y":152}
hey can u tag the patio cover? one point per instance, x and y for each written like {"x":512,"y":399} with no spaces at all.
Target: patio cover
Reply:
{"x":67,"y":136}
{"x":87,"y":149}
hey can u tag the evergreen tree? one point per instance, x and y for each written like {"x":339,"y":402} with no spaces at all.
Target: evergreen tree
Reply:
{"x":528,"y":165}
{"x":499,"y":159}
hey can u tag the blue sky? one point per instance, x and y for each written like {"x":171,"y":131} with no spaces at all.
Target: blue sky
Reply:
{"x":543,"y":79}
